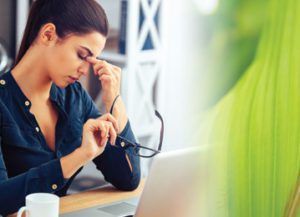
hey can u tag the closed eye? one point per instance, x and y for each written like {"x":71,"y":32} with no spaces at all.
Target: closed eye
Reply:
{"x":82,"y":57}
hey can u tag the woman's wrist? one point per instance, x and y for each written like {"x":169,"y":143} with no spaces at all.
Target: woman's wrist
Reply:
{"x":111,"y":110}
{"x":73,"y":161}
{"x":85,"y":155}
{"x":119,"y":112}
{"x":110,"y":103}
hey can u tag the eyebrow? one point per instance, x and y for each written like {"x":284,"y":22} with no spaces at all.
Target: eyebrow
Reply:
{"x":88,"y":50}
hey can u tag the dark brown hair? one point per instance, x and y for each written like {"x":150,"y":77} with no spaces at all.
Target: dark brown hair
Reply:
{"x":69,"y":16}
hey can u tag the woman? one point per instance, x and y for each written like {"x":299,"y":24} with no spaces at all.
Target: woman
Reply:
{"x":50,"y":128}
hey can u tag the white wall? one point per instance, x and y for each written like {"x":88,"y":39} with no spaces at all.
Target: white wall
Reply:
{"x":22,"y":14}
{"x":112,"y":9}
{"x":181,"y":94}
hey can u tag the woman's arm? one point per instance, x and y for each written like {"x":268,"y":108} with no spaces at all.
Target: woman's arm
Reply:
{"x":51,"y":176}
{"x":113,"y":163}
{"x":110,"y":78}
{"x":47,"y":177}
{"x":118,"y":167}
{"x":95,"y":136}
{"x":119,"y":112}
{"x":110,"y":159}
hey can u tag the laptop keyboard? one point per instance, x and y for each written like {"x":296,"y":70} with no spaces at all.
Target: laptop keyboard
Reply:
{"x":119,"y":209}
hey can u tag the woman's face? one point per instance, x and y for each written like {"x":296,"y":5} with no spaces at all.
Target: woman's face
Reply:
{"x":66,"y":59}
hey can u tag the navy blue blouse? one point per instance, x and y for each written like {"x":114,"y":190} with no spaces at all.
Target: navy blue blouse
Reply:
{"x":28,"y":165}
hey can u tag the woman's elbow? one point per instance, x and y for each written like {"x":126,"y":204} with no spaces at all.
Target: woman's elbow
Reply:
{"x":129,"y":185}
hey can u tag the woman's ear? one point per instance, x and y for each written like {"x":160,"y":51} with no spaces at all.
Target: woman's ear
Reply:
{"x":47,"y":34}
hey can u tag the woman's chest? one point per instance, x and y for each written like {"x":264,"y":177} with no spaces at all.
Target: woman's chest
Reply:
{"x":24,"y":147}
{"x":46,"y":118}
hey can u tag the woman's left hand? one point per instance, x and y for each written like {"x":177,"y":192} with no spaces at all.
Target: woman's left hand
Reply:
{"x":110,"y":77}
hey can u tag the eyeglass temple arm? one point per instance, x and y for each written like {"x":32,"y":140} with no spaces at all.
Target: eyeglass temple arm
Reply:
{"x":131,"y":144}
{"x":161,"y":137}
{"x":128,"y":144}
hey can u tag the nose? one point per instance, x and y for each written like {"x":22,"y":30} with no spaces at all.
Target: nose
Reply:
{"x":84,"y":68}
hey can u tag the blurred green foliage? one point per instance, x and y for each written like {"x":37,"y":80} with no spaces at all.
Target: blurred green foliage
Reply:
{"x":254,"y":129}
{"x":228,"y":45}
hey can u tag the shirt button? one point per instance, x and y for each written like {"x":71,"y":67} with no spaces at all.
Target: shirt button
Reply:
{"x":37,"y":129}
{"x":27,"y":103}
{"x":54,"y":186}
{"x":2,"y":82}
{"x":122,"y":144}
{"x":58,"y":154}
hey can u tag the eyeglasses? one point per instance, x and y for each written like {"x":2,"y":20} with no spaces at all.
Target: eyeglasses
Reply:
{"x":147,"y":152}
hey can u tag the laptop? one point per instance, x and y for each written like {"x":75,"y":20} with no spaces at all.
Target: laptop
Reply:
{"x":174,"y":187}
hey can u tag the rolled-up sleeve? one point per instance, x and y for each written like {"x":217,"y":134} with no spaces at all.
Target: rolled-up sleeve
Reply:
{"x":112,"y":162}
{"x":47,"y":177}
{"x":114,"y":165}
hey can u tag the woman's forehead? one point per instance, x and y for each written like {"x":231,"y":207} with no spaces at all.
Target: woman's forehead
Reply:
{"x":94,"y":41}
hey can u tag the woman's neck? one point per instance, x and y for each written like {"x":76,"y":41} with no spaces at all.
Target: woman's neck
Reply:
{"x":31,"y":76}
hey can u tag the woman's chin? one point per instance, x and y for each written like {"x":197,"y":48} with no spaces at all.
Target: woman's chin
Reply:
{"x":62,"y":84}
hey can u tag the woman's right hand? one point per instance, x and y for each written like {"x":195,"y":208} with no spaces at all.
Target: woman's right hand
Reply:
{"x":96,"y":133}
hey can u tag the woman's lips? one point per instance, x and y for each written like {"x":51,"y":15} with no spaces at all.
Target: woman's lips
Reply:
{"x":73,"y":79}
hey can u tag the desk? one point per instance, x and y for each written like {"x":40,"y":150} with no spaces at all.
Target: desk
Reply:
{"x":95,"y":197}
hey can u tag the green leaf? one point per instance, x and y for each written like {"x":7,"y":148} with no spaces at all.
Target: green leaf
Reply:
{"x":255,"y":131}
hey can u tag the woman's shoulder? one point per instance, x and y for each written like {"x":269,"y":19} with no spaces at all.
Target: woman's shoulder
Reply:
{"x":5,"y":93}
{"x":4,"y":83}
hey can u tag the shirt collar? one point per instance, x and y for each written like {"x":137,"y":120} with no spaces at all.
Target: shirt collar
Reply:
{"x":58,"y":99}
{"x":56,"y":95}
{"x":16,"y":90}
